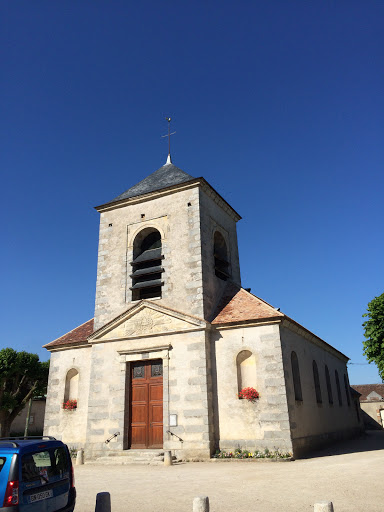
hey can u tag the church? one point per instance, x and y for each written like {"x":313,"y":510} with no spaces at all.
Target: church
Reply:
{"x":175,"y":338}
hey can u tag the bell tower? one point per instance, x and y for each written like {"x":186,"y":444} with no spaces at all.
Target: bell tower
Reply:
{"x":170,"y":238}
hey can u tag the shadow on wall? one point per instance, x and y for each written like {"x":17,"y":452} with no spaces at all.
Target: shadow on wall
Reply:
{"x":368,"y":441}
{"x":369,"y":422}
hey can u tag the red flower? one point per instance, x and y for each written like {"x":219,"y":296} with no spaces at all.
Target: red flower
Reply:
{"x":249,"y":394}
{"x":70,"y":405}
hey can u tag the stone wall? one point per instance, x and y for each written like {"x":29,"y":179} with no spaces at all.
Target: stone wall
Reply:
{"x":216,"y":216}
{"x":176,"y":216}
{"x":243,"y":424}
{"x":69,"y":426}
{"x":184,"y":391}
{"x":371,"y":414}
{"x":36,"y":422}
{"x":312,"y":423}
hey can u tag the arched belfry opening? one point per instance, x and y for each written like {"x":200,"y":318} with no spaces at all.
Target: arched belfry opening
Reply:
{"x":220,"y":253}
{"x":146,"y":265}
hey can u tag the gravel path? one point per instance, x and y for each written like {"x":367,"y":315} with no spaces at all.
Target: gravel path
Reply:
{"x":351,"y":475}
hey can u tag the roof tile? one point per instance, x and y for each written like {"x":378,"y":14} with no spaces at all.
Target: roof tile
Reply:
{"x":366,"y":389}
{"x":76,"y":336}
{"x":237,"y":305}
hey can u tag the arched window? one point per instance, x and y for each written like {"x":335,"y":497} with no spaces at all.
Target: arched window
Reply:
{"x":346,"y":385}
{"x":316,"y":380}
{"x":296,"y":376}
{"x":71,"y":385}
{"x":329,"y":387}
{"x":220,"y":255}
{"x":146,"y":265}
{"x":338,"y":388}
{"x":246,"y":370}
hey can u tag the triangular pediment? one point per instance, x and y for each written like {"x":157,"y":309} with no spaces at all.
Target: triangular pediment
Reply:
{"x":147,"y":319}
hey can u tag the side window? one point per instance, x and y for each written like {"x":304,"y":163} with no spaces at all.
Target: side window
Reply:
{"x":146,"y":265}
{"x":296,"y":377}
{"x":329,"y":387}
{"x":346,"y":385}
{"x":2,"y":462}
{"x":71,"y":385}
{"x":316,"y":380}
{"x":246,"y":370}
{"x":338,"y":388}
{"x":220,"y":254}
{"x":60,"y":462}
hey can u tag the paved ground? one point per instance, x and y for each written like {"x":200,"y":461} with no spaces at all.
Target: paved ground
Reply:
{"x":350,"y":474}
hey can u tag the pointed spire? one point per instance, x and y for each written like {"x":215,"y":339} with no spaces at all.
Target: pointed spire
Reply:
{"x":169,"y":160}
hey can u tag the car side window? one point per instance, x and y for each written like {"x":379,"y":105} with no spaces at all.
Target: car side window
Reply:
{"x":2,"y":462}
{"x":60,"y":462}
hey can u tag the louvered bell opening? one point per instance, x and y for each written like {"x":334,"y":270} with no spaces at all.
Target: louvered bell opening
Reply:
{"x":146,"y":275}
{"x":148,"y":269}
{"x":147,"y":256}
{"x":221,"y":268}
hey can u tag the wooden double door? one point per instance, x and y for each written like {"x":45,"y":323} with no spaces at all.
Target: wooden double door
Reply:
{"x":145,"y":421}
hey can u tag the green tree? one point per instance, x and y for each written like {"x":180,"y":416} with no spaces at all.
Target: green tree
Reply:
{"x":374,"y":333}
{"x":22,"y":376}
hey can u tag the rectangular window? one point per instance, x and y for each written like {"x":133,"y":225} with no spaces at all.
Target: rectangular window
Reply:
{"x":2,"y":462}
{"x":36,"y":466}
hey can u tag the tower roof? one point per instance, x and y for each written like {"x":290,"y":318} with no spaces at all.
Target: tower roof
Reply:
{"x":167,"y":176}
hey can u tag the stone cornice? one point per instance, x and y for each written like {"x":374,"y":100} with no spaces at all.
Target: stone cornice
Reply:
{"x":198,"y":182}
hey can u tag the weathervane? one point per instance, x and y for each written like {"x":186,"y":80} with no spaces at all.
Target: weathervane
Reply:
{"x":169,"y":161}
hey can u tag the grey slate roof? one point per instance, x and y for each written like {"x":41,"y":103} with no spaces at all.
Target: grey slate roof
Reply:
{"x":166,"y":176}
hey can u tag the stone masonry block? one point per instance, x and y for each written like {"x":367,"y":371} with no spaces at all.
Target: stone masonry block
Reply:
{"x":199,"y":363}
{"x":195,"y":381}
{"x":195,"y":397}
{"x":196,"y":346}
{"x":194,"y":429}
{"x":194,"y":413}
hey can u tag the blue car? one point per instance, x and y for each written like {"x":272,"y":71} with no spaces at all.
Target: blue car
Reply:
{"x":36,"y":475}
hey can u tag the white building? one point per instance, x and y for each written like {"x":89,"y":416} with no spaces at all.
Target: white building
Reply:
{"x":175,"y":338}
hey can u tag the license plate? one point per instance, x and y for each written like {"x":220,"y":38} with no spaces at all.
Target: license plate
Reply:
{"x":41,"y":496}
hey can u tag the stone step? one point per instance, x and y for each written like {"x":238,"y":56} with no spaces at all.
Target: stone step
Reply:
{"x":153,"y":458}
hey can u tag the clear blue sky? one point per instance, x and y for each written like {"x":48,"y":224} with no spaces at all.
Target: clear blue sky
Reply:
{"x":278,"y":104}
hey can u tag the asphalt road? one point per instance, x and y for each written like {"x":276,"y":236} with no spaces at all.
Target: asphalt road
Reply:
{"x":350,"y":474}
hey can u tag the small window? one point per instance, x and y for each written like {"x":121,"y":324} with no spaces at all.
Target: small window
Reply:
{"x":329,"y":387}
{"x":316,"y":380}
{"x":146,"y":265}
{"x":220,"y":254}
{"x":346,"y":385}
{"x":296,"y":377}
{"x":246,"y":370}
{"x":338,"y":388}
{"x":2,"y":462}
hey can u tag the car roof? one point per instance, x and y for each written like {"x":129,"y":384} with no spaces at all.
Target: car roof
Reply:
{"x":17,"y":445}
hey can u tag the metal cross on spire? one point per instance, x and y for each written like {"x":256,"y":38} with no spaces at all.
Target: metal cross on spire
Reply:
{"x":169,"y":161}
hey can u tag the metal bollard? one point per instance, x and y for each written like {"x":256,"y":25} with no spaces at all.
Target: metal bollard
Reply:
{"x":201,"y":504}
{"x":103,"y":502}
{"x":80,"y":457}
{"x":323,"y":506}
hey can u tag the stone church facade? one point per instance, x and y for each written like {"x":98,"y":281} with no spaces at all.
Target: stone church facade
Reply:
{"x":175,"y":338}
